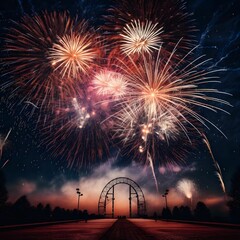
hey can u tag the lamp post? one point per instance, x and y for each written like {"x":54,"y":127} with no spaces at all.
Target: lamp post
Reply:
{"x":165,"y":196}
{"x":79,"y":195}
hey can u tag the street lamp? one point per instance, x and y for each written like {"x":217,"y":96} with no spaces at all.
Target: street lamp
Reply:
{"x":79,"y":195}
{"x":165,"y":196}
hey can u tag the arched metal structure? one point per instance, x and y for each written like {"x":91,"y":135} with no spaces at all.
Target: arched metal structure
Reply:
{"x":134,"y":191}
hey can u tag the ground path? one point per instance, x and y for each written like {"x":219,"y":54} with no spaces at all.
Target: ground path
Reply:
{"x":122,"y":229}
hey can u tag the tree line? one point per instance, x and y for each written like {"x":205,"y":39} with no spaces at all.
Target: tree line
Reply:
{"x":22,"y":211}
{"x":200,"y":213}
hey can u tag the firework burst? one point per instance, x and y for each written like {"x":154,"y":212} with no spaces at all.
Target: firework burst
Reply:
{"x":138,"y":37}
{"x":186,"y":187}
{"x":34,"y":59}
{"x":110,"y":83}
{"x":142,"y":25}
{"x":77,"y":134}
{"x":146,"y":140}
{"x":73,"y":54}
{"x":161,"y":90}
{"x":159,"y":114}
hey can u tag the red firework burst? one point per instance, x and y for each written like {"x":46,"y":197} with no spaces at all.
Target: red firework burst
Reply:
{"x":39,"y":52}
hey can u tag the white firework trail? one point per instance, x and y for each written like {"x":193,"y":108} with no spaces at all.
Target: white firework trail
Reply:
{"x":149,"y":157}
{"x":2,"y":144}
{"x":216,"y":165}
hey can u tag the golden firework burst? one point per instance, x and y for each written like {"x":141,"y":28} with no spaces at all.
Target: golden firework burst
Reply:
{"x":73,"y":54}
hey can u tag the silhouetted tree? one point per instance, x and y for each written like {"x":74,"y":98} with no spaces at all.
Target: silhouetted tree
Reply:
{"x":23,"y":212}
{"x":75,"y":214}
{"x":47,"y":212}
{"x":59,"y":213}
{"x":234,"y":203}
{"x":22,"y":203}
{"x":3,"y":190}
{"x":185,"y":213}
{"x":166,"y":213}
{"x":39,"y":212}
{"x":202,"y":212}
{"x":176,"y":213}
{"x":21,"y":209}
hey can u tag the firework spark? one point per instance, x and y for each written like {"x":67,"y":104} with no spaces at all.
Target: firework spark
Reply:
{"x":3,"y":142}
{"x":34,"y":105}
{"x":82,"y":113}
{"x":140,"y":37}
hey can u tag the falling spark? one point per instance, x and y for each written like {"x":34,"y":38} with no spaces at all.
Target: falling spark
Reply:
{"x":34,"y":105}
{"x":153,"y":172}
{"x":216,"y":165}
{"x":3,"y":142}
{"x":5,"y":163}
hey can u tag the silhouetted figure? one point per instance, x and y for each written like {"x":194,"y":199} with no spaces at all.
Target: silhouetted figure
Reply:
{"x":85,"y":215}
{"x":202,"y":212}
{"x":155,"y":216}
{"x":234,"y":203}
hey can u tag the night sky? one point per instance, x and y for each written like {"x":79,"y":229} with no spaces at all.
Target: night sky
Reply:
{"x":35,"y":171}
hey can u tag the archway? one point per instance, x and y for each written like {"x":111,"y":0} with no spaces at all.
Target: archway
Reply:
{"x":134,"y":191}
